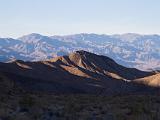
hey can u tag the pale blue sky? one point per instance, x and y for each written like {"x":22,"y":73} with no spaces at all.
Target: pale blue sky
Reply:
{"x":50,"y":17}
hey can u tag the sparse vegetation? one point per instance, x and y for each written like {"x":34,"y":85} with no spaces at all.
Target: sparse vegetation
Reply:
{"x":26,"y":101}
{"x":81,"y":107}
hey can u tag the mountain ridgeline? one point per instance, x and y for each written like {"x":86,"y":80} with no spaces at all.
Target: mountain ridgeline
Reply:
{"x":130,"y":50}
{"x":78,"y":72}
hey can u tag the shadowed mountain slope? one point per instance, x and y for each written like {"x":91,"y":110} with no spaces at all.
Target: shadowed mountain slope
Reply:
{"x":79,"y":72}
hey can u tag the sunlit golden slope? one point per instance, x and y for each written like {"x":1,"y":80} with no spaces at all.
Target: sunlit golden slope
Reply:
{"x":153,"y":80}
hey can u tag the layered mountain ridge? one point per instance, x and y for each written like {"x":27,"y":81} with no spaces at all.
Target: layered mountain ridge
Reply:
{"x":130,"y":50}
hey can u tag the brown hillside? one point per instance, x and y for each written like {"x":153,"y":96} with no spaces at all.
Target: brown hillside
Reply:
{"x":153,"y":80}
{"x":79,"y":72}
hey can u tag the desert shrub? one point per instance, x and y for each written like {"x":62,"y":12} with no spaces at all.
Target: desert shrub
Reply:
{"x":27,"y":101}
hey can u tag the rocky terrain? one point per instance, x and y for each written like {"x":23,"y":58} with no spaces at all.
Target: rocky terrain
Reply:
{"x":78,"y":72}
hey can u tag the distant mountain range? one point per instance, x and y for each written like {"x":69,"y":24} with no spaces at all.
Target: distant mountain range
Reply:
{"x":78,"y":72}
{"x":130,"y":50}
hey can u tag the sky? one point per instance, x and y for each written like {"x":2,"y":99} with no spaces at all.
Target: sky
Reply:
{"x":62,"y":17}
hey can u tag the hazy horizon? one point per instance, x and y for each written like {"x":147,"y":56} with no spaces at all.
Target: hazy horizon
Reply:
{"x":50,"y":35}
{"x":59,"y":17}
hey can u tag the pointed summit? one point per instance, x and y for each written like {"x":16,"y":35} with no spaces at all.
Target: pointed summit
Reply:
{"x":98,"y":64}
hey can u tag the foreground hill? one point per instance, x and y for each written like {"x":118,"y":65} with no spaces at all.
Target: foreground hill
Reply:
{"x":80,"y":86}
{"x":79,"y":72}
